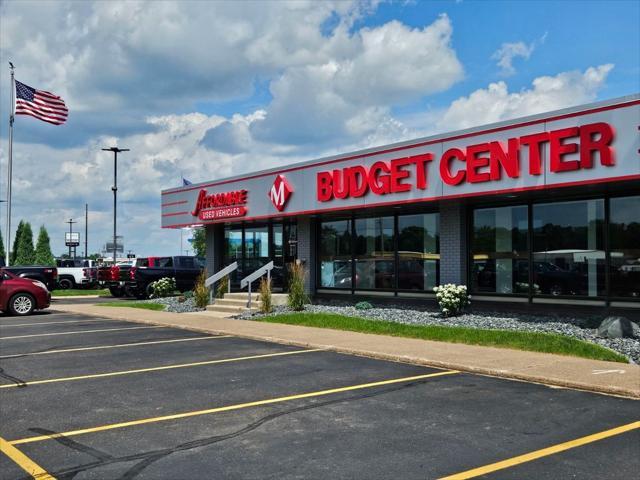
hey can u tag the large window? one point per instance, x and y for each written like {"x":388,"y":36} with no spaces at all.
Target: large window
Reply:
{"x":375,"y":253}
{"x":335,"y":254}
{"x":568,"y":248}
{"x":418,"y":251}
{"x":499,"y":250}
{"x":624,"y":240}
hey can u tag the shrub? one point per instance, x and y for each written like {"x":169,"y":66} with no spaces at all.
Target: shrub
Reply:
{"x":452,"y":298}
{"x":163,"y":287}
{"x":223,"y":286}
{"x":200,"y":291}
{"x":188,"y":294}
{"x":363,"y":306}
{"x":266,"y":306}
{"x":297,"y":296}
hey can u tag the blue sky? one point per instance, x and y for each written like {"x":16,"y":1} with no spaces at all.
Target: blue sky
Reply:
{"x":208,"y":90}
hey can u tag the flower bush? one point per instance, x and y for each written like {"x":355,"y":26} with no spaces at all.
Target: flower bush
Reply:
{"x":452,"y":298}
{"x":163,"y":287}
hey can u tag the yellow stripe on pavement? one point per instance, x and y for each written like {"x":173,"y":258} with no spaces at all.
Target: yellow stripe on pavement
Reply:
{"x":561,"y":447}
{"x":121,"y":345}
{"x":24,"y":462}
{"x":228,"y":408}
{"x":54,"y":323}
{"x":157,"y":369}
{"x":80,"y":331}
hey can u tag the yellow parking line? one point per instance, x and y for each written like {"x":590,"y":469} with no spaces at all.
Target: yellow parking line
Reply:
{"x":157,"y":369}
{"x":24,"y":462}
{"x":228,"y":408}
{"x":561,"y":447}
{"x":121,"y":345}
{"x":80,"y":331}
{"x":53,"y":323}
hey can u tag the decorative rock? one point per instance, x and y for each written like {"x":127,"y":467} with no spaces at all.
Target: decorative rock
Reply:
{"x":617,"y":327}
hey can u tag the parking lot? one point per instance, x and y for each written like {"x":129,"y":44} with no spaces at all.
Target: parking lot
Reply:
{"x":84,"y":397}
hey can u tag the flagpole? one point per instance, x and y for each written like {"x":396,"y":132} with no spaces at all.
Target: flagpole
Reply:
{"x":10,"y":164}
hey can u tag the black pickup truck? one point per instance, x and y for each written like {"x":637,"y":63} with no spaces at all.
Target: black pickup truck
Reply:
{"x":47,"y":275}
{"x":185,"y":269}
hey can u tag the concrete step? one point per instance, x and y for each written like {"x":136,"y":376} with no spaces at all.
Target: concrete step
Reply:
{"x":226,"y":308}
{"x":235,"y":302}
{"x":242,"y":296}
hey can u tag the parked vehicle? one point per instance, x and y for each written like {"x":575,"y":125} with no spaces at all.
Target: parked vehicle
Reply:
{"x":119,"y":278}
{"x":46,"y":275}
{"x":185,"y":269}
{"x":21,"y":296}
{"x":73,"y":273}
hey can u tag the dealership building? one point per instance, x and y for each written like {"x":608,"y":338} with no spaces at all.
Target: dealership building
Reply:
{"x":535,"y":210}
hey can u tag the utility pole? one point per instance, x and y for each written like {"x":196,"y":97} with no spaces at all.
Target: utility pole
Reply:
{"x":71,"y":222}
{"x":86,"y":230}
{"x":114,"y":189}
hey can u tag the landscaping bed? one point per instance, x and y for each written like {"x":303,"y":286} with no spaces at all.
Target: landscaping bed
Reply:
{"x":572,"y":327}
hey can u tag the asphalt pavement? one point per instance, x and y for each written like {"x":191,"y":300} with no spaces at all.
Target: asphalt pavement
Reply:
{"x":83,"y":397}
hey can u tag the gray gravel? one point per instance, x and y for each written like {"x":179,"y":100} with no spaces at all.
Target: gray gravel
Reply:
{"x":571,"y":326}
{"x":172,"y":304}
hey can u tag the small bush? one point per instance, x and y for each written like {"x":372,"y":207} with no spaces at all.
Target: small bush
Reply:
{"x":200,"y":291}
{"x":163,"y":287}
{"x":453,"y":299}
{"x":223,"y":286}
{"x":265,"y":296}
{"x":182,"y":299}
{"x":363,"y":306}
{"x":297,"y":296}
{"x":188,"y":294}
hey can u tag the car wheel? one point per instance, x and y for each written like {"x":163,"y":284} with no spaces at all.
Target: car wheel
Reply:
{"x":22,"y":304}
{"x":555,"y":289}
{"x":65,"y":283}
{"x":149,"y":290}
{"x":115,"y":291}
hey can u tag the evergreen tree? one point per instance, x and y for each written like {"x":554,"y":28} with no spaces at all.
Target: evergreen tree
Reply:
{"x":16,"y":242}
{"x":2,"y":252}
{"x":25,"y":254}
{"x":43,"y":255}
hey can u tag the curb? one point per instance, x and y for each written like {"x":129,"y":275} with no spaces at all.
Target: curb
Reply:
{"x":73,"y":297}
{"x":497,"y":373}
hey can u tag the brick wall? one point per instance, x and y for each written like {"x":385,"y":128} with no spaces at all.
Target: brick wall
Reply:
{"x":307,"y":250}
{"x":453,"y":243}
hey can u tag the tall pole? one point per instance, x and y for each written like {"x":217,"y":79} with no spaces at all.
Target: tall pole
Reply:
{"x":12,"y":108}
{"x":115,"y":151}
{"x":71,"y":222}
{"x":86,"y":230}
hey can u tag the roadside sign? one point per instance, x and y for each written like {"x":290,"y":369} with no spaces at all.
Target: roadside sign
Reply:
{"x":72,"y":239}
{"x":131,"y":255}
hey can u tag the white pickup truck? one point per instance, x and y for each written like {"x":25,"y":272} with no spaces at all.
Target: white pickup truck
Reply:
{"x":77,"y":273}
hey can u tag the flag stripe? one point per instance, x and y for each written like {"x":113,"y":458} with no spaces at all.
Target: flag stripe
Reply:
{"x":40,"y":104}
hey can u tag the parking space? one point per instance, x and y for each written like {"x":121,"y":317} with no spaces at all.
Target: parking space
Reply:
{"x":119,"y":401}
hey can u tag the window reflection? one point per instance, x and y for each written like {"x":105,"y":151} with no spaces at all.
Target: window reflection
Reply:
{"x":568,"y":248}
{"x":499,"y":250}
{"x":418,"y":251}
{"x":375,"y":253}
{"x":624,"y":238}
{"x":335,"y":254}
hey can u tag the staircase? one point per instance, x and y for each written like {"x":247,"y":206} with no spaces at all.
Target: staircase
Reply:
{"x":236,"y":303}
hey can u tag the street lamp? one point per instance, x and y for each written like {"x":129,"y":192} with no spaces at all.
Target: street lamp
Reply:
{"x":115,"y":151}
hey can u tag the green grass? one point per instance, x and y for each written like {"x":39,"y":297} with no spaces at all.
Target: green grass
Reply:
{"x":77,"y":291}
{"x":531,"y":341}
{"x":143,"y":305}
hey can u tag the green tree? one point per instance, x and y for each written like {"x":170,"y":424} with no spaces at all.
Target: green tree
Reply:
{"x":199,"y":242}
{"x":16,"y":242}
{"x":2,"y":252}
{"x":25,"y":254}
{"x":43,"y":255}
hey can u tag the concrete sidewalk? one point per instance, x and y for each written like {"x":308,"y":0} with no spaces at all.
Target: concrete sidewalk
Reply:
{"x":563,"y":371}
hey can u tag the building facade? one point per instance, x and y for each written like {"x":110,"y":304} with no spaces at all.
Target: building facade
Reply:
{"x":542,"y":209}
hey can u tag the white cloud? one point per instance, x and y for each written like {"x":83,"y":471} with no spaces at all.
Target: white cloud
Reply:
{"x":496,"y":103}
{"x":508,"y":52}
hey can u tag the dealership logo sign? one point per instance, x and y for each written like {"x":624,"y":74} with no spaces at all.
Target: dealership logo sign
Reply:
{"x":280,"y":193}
{"x":220,"y":205}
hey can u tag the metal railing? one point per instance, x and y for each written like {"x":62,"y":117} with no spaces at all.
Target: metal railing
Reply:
{"x":254,"y":276}
{"x":210,"y":282}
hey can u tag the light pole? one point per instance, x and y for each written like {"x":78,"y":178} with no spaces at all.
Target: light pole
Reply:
{"x":115,"y":151}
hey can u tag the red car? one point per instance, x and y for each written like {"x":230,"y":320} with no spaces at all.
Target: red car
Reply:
{"x":21,"y":296}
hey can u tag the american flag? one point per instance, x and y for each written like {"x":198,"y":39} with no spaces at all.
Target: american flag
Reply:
{"x":43,"y":105}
